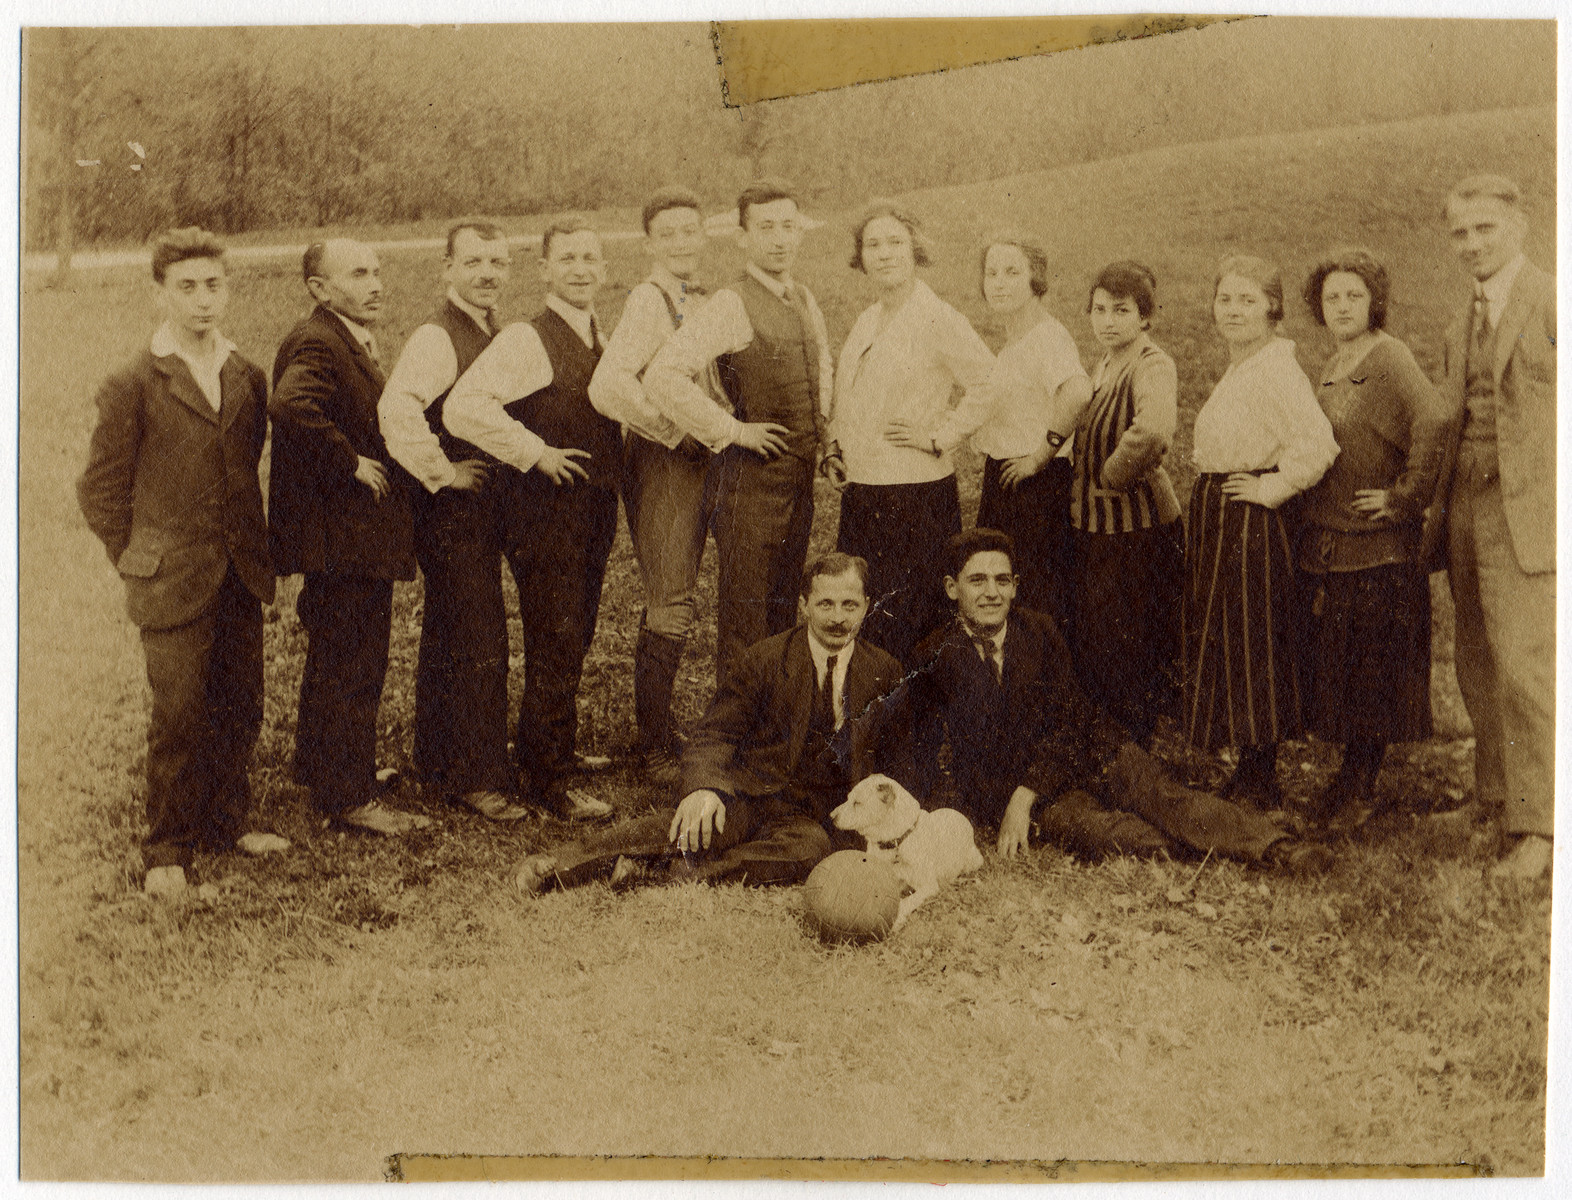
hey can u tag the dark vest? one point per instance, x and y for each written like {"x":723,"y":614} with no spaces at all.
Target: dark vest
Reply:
{"x":776,"y":377}
{"x":561,"y":412}
{"x":1479,"y":389}
{"x":468,"y":339}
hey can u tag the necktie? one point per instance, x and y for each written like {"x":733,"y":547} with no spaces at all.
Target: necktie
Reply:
{"x":989,"y":649}
{"x":827,"y":693}
{"x":595,"y":345}
{"x":371,"y":349}
{"x":1481,"y":329}
{"x":493,"y":322}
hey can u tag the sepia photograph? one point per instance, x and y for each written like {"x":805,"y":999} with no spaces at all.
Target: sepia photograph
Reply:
{"x":906,"y":600}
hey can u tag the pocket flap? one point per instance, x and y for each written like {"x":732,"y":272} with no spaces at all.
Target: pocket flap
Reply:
{"x":139,"y":563}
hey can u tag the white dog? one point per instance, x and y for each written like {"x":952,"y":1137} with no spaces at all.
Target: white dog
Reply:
{"x":928,"y":849}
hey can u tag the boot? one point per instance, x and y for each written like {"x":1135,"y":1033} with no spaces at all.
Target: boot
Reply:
{"x":1254,"y":781}
{"x":656,"y":659}
{"x":1348,"y":801}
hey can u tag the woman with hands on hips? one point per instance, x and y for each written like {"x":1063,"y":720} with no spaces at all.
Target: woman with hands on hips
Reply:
{"x":900,"y":365}
{"x":1367,"y":665}
{"x":1260,"y":439}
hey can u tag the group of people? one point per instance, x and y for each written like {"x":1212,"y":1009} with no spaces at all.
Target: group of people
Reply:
{"x":1016,"y":670}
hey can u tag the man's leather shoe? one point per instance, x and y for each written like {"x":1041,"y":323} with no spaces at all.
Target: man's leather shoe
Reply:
{"x":374,"y":818}
{"x":493,"y":806}
{"x":533,"y":873}
{"x":574,"y":804}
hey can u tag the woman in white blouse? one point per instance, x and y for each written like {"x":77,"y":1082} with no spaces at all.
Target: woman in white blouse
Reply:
{"x":1022,"y":422}
{"x":897,"y":373}
{"x":1260,"y":439}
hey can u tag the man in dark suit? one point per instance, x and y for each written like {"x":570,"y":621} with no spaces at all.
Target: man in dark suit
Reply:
{"x":789,"y":731}
{"x":1498,"y":504}
{"x":998,"y":688}
{"x":171,"y":489}
{"x":336,"y":517}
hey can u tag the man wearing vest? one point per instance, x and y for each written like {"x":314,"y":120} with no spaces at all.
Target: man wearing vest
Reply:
{"x":668,"y":485}
{"x":1500,"y":517}
{"x":766,"y":335}
{"x":335,"y":516}
{"x":461,"y":684}
{"x":171,"y":489}
{"x":525,"y":401}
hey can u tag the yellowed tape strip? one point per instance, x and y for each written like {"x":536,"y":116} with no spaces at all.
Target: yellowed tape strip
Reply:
{"x":765,"y":60}
{"x":436,"y":1168}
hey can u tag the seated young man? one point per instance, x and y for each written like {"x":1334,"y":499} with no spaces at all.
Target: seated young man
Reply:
{"x":790,"y":730}
{"x":997,"y":686}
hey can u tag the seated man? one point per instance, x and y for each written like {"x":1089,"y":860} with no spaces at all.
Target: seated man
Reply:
{"x":788,"y":733}
{"x":998,"y":687}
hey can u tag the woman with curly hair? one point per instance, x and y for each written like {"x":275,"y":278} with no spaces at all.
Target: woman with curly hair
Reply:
{"x":1367,"y":660}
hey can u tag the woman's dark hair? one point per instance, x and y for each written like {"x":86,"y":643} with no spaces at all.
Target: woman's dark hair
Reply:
{"x":1259,"y":272}
{"x":1356,"y":261}
{"x":1127,"y":280}
{"x":888,"y":208}
{"x":1036,"y":260}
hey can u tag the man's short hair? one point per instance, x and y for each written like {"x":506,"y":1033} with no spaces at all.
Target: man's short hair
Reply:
{"x":834,"y":564}
{"x":177,"y":245}
{"x":561,"y":227}
{"x":1493,"y":187}
{"x":963,"y":547}
{"x":486,"y":231}
{"x":669,"y":198}
{"x":763,"y":191}
{"x":311,"y":261}
{"x":1351,"y":260}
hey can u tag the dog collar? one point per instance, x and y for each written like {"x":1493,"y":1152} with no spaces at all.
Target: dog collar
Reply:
{"x":895,"y":843}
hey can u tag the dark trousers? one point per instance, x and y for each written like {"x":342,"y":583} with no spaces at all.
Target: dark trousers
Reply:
{"x":769,"y":840}
{"x":348,"y":620}
{"x":206,"y":677}
{"x":763,"y":515}
{"x":901,"y":529}
{"x":1036,"y":515}
{"x":461,"y":684}
{"x":556,"y":540}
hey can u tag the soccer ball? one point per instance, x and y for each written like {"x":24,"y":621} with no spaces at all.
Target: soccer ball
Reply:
{"x":850,"y":897}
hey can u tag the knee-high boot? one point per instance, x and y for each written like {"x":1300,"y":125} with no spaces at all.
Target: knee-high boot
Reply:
{"x":656,"y":659}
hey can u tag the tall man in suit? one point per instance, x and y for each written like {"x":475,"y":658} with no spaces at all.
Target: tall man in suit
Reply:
{"x":525,"y":401}
{"x":668,"y":486}
{"x":791,"y":728}
{"x":461,"y":683}
{"x":337,"y":517}
{"x":998,"y":688}
{"x":171,"y":489}
{"x":766,"y":335}
{"x":1499,"y":506}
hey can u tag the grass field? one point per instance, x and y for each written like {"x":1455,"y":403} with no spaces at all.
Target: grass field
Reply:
{"x":307,"y":1016}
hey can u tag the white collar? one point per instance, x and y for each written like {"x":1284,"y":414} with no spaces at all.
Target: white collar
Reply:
{"x":478,"y":315}
{"x":580,"y":320}
{"x":821,"y":655}
{"x":360,"y":333}
{"x":678,"y":289}
{"x":1498,"y":287}
{"x":164,"y":344}
{"x":997,"y":638}
{"x":779,"y":286}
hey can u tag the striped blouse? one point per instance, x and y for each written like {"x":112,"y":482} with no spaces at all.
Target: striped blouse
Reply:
{"x":1120,"y":485}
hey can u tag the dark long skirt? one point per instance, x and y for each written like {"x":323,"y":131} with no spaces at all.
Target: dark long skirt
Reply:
{"x":1037,"y":516}
{"x":901,"y":528}
{"x":1129,"y":588}
{"x":1241,"y":623}
{"x":1367,"y":661}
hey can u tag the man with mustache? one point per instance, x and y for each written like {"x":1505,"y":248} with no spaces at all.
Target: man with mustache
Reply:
{"x":461,"y":683}
{"x":787,"y":735}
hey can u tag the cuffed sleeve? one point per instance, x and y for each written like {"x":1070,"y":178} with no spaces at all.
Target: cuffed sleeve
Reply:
{"x":513,"y":366}
{"x":671,"y":379}
{"x":616,"y":390}
{"x":427,"y":368}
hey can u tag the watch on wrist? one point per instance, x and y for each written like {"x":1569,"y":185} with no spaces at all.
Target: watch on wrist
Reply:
{"x":1055,"y":440}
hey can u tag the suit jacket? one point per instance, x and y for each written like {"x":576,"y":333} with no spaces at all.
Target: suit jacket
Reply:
{"x":171,"y":487}
{"x":1034,"y":728}
{"x":1525,"y":375}
{"x":751,"y":740}
{"x":324,"y":409}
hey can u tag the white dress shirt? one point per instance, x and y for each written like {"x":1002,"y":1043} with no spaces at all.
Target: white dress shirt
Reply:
{"x":1498,"y":288}
{"x":1263,"y":414}
{"x":997,"y":639}
{"x":617,"y":390}
{"x":909,"y":369}
{"x":204,"y":371}
{"x":671,"y":381}
{"x":821,"y":662}
{"x":427,"y":367}
{"x":360,"y":333}
{"x":513,"y":366}
{"x":1013,"y":414}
